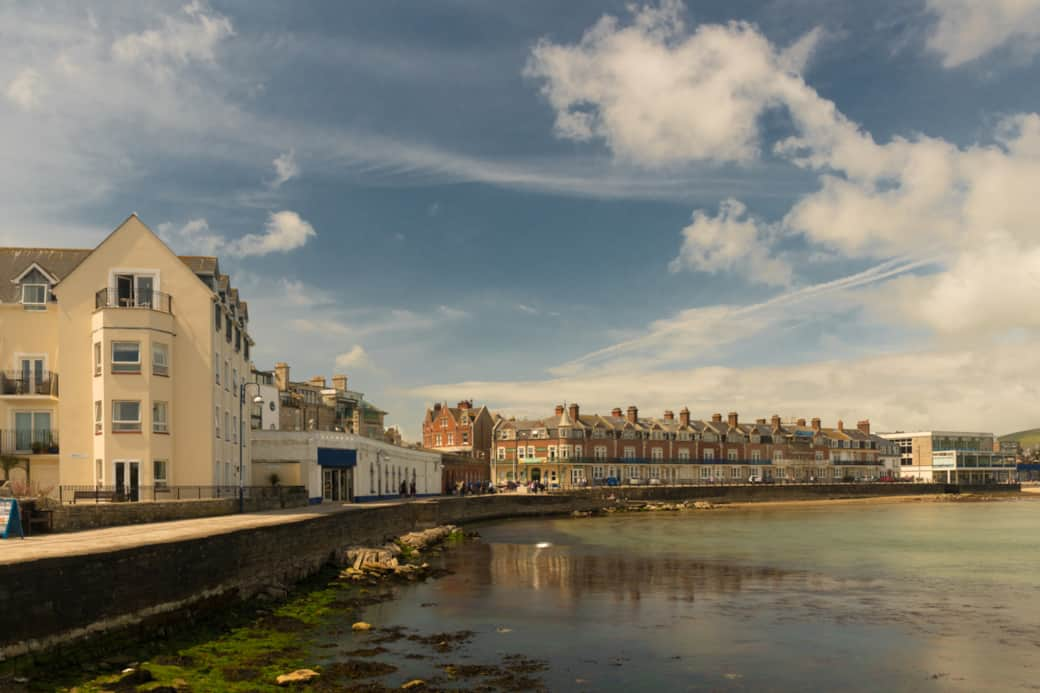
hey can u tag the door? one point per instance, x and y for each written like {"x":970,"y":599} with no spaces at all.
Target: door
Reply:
{"x":127,"y":479}
{"x":327,"y":486}
{"x":125,"y":290}
{"x":32,"y":428}
{"x":31,"y":375}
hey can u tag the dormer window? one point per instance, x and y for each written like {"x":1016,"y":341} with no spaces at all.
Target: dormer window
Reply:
{"x":35,"y":288}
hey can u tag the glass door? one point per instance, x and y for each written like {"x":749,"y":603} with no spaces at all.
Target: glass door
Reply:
{"x":128,"y":479}
{"x":31,"y":375}
{"x":125,"y":290}
{"x":32,"y":429}
{"x":144,"y":287}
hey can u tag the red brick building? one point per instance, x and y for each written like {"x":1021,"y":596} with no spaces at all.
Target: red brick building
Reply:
{"x":571,"y":449}
{"x":460,"y":430}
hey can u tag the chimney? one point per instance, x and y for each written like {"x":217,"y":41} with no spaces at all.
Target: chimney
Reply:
{"x":841,"y":425}
{"x":318,"y":381}
{"x":816,"y":424}
{"x":633,"y":414}
{"x":800,"y":422}
{"x":437,"y":407}
{"x":776,"y":422}
{"x":864,"y":426}
{"x":616,"y":412}
{"x":559,"y":410}
{"x":466,"y":404}
{"x":339,"y":382}
{"x":572,"y":411}
{"x":731,"y":419}
{"x":716,"y":418}
{"x":281,"y":376}
{"x":669,"y":415}
{"x":760,"y":421}
{"x":684,"y":416}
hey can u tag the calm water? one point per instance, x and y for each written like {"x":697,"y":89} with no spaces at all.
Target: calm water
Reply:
{"x":930,"y":596}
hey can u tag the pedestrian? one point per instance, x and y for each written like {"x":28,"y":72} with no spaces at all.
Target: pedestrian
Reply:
{"x":412,"y":488}
{"x":404,"y":488}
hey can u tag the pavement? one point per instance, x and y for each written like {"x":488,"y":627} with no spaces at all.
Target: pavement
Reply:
{"x":130,"y":536}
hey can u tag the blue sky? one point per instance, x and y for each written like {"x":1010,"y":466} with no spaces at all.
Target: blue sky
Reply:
{"x":803,"y":207}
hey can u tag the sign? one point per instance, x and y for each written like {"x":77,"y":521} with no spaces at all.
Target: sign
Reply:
{"x":10,"y":519}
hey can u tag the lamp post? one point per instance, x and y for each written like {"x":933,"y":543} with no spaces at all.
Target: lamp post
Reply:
{"x":242,"y":441}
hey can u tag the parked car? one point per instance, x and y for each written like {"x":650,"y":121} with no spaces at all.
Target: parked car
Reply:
{"x":756,"y":479}
{"x":613,"y":481}
{"x":655,"y":482}
{"x":636,"y":482}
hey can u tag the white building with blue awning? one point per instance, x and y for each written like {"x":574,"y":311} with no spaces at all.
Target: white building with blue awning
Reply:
{"x":343,"y":467}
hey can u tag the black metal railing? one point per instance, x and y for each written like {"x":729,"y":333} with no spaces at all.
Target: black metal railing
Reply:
{"x":22,"y":383}
{"x":29,"y":442}
{"x":131,"y":493}
{"x":142,"y":299}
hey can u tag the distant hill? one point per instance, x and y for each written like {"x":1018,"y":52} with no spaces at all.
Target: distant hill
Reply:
{"x":1026,"y":439}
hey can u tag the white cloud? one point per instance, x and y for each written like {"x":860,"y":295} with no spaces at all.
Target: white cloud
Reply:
{"x":193,"y":237}
{"x":285,"y":168}
{"x":730,"y":242}
{"x":25,"y":89}
{"x":965,"y":389}
{"x":193,"y":35}
{"x":434,"y":209}
{"x":658,"y":96}
{"x":356,"y":358}
{"x":969,"y":29}
{"x":283,"y":232}
{"x":524,"y":308}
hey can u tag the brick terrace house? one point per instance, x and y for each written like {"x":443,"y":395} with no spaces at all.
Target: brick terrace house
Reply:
{"x":571,"y":448}
{"x":460,"y":430}
{"x":315,"y":405}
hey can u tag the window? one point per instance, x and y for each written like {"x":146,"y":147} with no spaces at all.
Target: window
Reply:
{"x":34,"y":296}
{"x":578,"y":451}
{"x":97,"y":358}
{"x":160,"y":473}
{"x":238,"y":339}
{"x":684,"y":454}
{"x":451,"y":438}
{"x":126,"y":416}
{"x":126,"y":357}
{"x":234,"y":429}
{"x":227,"y":329}
{"x":630,"y":453}
{"x":731,"y":454}
{"x":600,"y":452}
{"x":216,"y":364}
{"x":216,"y":316}
{"x":247,"y":349}
{"x":99,"y":417}
{"x":437,"y":440}
{"x":552,"y":452}
{"x":530,"y":451}
{"x":737,"y":473}
{"x":501,"y":453}
{"x":705,"y":472}
{"x":756,"y":456}
{"x":520,"y":452}
{"x":819,"y":455}
{"x":227,"y":373}
{"x":227,"y":427}
{"x":216,"y":421}
{"x":565,"y":452}
{"x":657,"y":454}
{"x":465,"y":436}
{"x":160,"y":359}
{"x":160,"y":423}
{"x":709,"y":454}
{"x":99,"y":467}
{"x":234,"y":380}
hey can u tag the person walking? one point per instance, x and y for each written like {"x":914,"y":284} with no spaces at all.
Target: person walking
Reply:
{"x":411,"y":489}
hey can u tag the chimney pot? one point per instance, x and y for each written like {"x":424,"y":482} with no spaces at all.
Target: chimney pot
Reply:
{"x":775,"y":421}
{"x":616,"y":411}
{"x":281,"y":376}
{"x":731,"y":419}
{"x":760,"y":421}
{"x":816,"y":424}
{"x":572,"y":410}
{"x":841,"y":425}
{"x":318,"y":380}
{"x":465,"y":404}
{"x":339,"y":382}
{"x":716,"y":418}
{"x":633,"y":414}
{"x":559,"y":410}
{"x":801,"y":422}
{"x":684,"y":416}
{"x":864,"y":426}
{"x":669,"y":415}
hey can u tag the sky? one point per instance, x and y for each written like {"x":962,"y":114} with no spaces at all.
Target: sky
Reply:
{"x":800,"y":207}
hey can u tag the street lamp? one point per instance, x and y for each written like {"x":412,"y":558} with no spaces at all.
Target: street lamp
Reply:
{"x":242,"y":441}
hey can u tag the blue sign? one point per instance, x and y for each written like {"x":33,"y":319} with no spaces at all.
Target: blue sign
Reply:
{"x":334,"y":457}
{"x":10,"y":519}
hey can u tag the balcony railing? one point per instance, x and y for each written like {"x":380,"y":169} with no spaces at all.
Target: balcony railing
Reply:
{"x":141,"y":299}
{"x":21,"y":383}
{"x":29,"y":442}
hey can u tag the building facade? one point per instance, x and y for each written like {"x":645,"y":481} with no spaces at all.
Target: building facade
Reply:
{"x":573,"y":449}
{"x":343,"y":467}
{"x":460,"y":430}
{"x":150,"y":349}
{"x":952,"y":457}
{"x":318,"y":405}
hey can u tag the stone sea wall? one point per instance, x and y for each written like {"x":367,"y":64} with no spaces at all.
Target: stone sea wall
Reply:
{"x":49,"y":603}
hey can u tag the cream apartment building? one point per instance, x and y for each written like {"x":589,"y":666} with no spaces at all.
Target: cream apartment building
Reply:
{"x":121,"y":365}
{"x":964,"y":457}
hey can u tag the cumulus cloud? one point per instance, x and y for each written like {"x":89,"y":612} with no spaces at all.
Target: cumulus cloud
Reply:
{"x":25,"y":89}
{"x":658,"y":96}
{"x":730,"y":242}
{"x":968,"y":29}
{"x":285,"y":168}
{"x":357,"y":357}
{"x":283,"y":232}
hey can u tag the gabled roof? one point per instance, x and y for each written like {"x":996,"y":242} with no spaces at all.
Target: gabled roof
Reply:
{"x":16,"y":262}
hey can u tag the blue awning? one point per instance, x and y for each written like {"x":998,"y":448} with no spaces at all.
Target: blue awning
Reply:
{"x":333,"y":457}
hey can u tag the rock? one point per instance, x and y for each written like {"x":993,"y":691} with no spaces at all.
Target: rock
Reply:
{"x":703,"y":505}
{"x":414,"y":683}
{"x":361,"y":626}
{"x":134,"y":677}
{"x":298,"y":676}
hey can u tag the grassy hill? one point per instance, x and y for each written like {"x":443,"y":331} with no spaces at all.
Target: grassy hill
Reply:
{"x":1026,"y":439}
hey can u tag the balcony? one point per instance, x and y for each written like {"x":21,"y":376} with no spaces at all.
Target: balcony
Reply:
{"x":39,"y":384}
{"x":29,"y":442}
{"x":140,"y":299}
